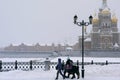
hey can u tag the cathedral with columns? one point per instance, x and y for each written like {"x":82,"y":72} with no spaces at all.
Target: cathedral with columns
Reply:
{"x":104,"y":34}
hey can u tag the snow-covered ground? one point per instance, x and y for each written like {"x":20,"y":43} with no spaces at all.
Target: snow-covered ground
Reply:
{"x":23,"y":59}
{"x":86,"y":59}
{"x":92,"y":72}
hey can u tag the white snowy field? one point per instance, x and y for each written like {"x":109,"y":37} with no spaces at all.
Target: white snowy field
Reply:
{"x":92,"y":72}
{"x":86,"y":59}
{"x":22,"y":59}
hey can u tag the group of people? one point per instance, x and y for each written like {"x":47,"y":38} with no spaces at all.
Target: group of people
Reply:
{"x":68,"y":67}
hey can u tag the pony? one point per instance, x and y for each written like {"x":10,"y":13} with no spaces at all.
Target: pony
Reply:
{"x":71,"y":69}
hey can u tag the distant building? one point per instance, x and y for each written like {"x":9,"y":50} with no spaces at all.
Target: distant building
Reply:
{"x":104,"y":34}
{"x":39,"y":48}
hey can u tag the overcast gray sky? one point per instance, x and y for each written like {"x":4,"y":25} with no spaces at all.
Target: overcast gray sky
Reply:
{"x":46,"y":21}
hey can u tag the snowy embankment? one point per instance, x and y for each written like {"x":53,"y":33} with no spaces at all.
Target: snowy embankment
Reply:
{"x":92,"y":72}
{"x":89,"y":59}
{"x":22,"y":59}
{"x":86,"y":59}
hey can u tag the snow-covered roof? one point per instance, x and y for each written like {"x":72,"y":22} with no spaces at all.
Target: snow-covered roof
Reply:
{"x":116,"y":45}
{"x":88,"y":39}
{"x":68,"y":48}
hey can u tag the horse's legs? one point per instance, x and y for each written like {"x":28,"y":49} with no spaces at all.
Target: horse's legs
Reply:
{"x":73,"y":75}
{"x":64,"y":74}
{"x":68,"y":75}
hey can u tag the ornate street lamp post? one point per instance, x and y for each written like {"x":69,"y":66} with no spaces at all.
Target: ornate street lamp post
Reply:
{"x":82,"y":24}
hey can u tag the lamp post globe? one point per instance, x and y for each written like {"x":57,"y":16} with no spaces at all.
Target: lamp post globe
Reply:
{"x":75,"y":19}
{"x":90,"y":19}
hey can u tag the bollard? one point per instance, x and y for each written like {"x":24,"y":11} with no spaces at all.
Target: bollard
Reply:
{"x":0,"y":65}
{"x":91,"y":61}
{"x":16,"y":65}
{"x":77,"y":62}
{"x":31,"y":65}
{"x":106,"y":62}
{"x":47,"y":64}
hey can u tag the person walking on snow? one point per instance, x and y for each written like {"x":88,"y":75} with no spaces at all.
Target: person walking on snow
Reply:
{"x":59,"y":69}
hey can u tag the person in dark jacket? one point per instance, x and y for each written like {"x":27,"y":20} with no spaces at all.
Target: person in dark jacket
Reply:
{"x":59,"y":69}
{"x":69,"y":64}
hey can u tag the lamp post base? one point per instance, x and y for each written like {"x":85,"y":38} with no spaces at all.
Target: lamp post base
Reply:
{"x":82,"y":73}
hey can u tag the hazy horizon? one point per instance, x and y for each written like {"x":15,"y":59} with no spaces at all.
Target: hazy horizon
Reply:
{"x":46,"y":21}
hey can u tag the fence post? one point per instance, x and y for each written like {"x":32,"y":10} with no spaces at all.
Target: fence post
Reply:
{"x":77,"y":62}
{"x":0,"y":65}
{"x":91,"y":61}
{"x":106,"y":62}
{"x":31,"y":65}
{"x":16,"y":65}
{"x":47,"y":64}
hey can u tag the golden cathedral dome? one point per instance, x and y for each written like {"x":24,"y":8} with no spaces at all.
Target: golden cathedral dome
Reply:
{"x":105,"y":11}
{"x":114,"y":19}
{"x":95,"y":19}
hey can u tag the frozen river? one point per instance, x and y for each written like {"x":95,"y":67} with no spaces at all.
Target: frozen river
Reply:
{"x":25,"y":54}
{"x":11,"y":54}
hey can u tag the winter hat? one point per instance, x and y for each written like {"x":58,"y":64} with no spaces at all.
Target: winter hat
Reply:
{"x":59,"y":60}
